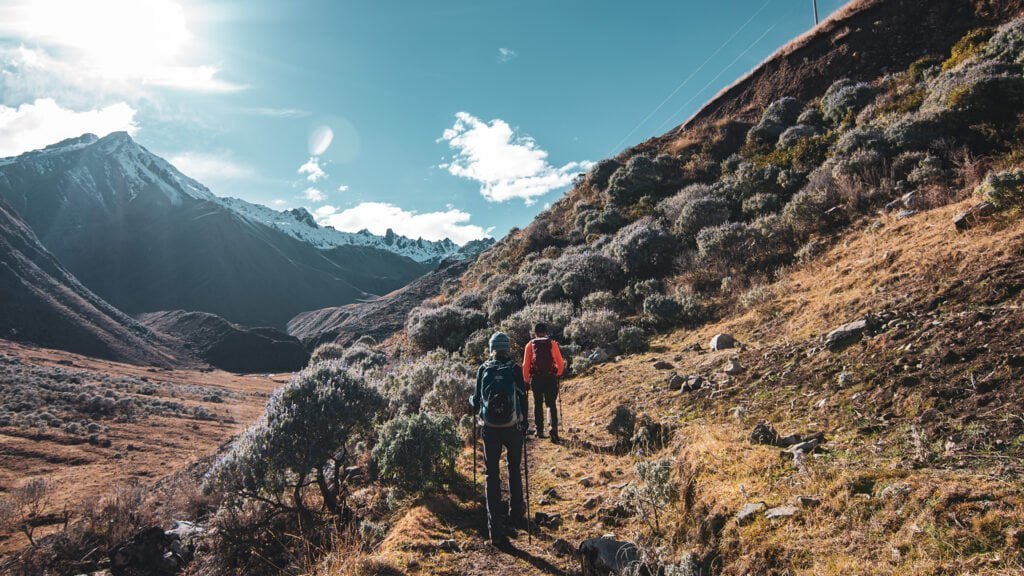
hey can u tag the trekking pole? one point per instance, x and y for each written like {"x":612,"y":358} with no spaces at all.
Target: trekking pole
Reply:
{"x":526,"y":469}
{"x":476,"y":486}
{"x":561,"y":413}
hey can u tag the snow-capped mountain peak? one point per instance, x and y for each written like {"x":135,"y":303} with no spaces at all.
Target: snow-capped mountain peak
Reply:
{"x":300,"y":224}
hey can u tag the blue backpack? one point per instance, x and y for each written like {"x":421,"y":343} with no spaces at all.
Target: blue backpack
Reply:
{"x":499,"y":399}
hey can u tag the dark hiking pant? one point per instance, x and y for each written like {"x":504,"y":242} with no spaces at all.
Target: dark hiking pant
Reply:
{"x":545,"y":393}
{"x":511,"y":440}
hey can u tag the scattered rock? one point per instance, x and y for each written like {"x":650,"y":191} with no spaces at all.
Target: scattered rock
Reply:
{"x":551,"y":493}
{"x":587,"y":482}
{"x":592,"y":502}
{"x":693,"y":383}
{"x":807,"y":502}
{"x":580,"y":517}
{"x":675,"y":381}
{"x":613,"y":514}
{"x":545,"y":520}
{"x":449,"y":545}
{"x":722,"y":342}
{"x":966,"y":220}
{"x":734,"y":368}
{"x":598,"y":356}
{"x":151,"y":551}
{"x":607,"y":556}
{"x":695,"y":347}
{"x":561,"y":547}
{"x":846,"y":335}
{"x":764,"y":434}
{"x":662,"y":365}
{"x":781,"y":512}
{"x":905,"y":213}
{"x":748,"y":512}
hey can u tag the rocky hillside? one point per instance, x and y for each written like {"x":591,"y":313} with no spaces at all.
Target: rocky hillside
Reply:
{"x":45,"y":305}
{"x":146,"y":237}
{"x":229,"y":346}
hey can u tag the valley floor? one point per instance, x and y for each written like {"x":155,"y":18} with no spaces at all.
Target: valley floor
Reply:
{"x":88,"y":426}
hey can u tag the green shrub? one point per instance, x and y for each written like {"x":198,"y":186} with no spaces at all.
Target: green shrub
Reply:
{"x":448,"y":396}
{"x":604,"y":221}
{"x":805,"y":213}
{"x":641,"y":176}
{"x":579,"y":274}
{"x":417,"y":452}
{"x":632,"y":339}
{"x":967,"y":48}
{"x":410,"y":382}
{"x":701,"y":213}
{"x":519,"y":326}
{"x":644,"y":248}
{"x":504,"y":303}
{"x":593,"y":328}
{"x":329,"y":351}
{"x":443,"y":327}
{"x":475,"y":348}
{"x":662,"y":312}
{"x":779,"y":116}
{"x":363,"y":358}
{"x":602,"y":300}
{"x":671,"y":207}
{"x":309,"y":428}
{"x":759,"y":204}
{"x":1005,"y":190}
{"x":845,"y":97}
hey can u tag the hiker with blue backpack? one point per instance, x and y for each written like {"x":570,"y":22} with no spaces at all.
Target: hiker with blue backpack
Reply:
{"x":500,"y":403}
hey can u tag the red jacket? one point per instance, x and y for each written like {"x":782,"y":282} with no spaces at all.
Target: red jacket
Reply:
{"x":528,"y":359}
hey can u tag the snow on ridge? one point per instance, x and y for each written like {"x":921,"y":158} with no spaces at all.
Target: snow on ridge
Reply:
{"x":325,"y":237}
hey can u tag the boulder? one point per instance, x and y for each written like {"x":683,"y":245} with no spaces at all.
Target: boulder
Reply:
{"x":749,"y":511}
{"x":722,"y":342}
{"x":846,"y":335}
{"x":592,"y":502}
{"x":781,"y":512}
{"x":966,"y":220}
{"x":608,"y":557}
{"x":676,"y":382}
{"x":693,"y":383}
{"x":662,"y":365}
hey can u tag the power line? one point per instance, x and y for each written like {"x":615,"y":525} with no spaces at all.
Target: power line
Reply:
{"x":719,"y":75}
{"x":816,"y":20}
{"x":688,"y":78}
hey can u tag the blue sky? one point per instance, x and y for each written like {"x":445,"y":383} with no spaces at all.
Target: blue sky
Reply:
{"x":454,"y":118}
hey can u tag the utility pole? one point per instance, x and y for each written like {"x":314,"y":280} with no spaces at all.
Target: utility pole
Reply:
{"x":816,"y":20}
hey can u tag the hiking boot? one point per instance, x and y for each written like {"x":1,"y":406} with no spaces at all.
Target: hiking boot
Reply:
{"x":554,"y":438}
{"x":541,"y":434}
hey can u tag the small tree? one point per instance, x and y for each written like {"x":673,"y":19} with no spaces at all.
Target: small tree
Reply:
{"x":303,"y":439}
{"x":443,"y":327}
{"x":418,"y":451}
{"x":655,"y":491}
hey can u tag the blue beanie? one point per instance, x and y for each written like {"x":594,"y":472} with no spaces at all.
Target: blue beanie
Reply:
{"x":499,"y":341}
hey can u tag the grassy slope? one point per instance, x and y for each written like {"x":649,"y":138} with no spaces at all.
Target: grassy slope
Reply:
{"x":922,"y":473}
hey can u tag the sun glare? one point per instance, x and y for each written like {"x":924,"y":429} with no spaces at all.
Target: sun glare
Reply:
{"x":116,"y":37}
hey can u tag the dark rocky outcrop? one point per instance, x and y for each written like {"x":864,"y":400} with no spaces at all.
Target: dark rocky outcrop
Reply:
{"x":229,"y":346}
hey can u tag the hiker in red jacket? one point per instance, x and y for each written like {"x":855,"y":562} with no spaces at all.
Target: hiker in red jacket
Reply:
{"x":542,"y":365}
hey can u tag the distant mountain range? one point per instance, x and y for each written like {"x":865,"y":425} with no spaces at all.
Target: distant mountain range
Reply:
{"x":145,"y":237}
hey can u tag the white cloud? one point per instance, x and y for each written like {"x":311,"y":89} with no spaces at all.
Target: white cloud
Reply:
{"x":43,"y":122}
{"x":109,"y":44}
{"x":506,"y":165}
{"x":320,"y":140}
{"x":312,"y":170}
{"x":506,"y":55}
{"x":377,"y":217}
{"x":279,"y":202}
{"x":313,"y":195}
{"x":210,"y":167}
{"x":343,"y":188}
{"x":276,"y":112}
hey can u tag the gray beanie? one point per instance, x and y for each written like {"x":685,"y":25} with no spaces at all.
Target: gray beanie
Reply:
{"x":499,"y":341}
